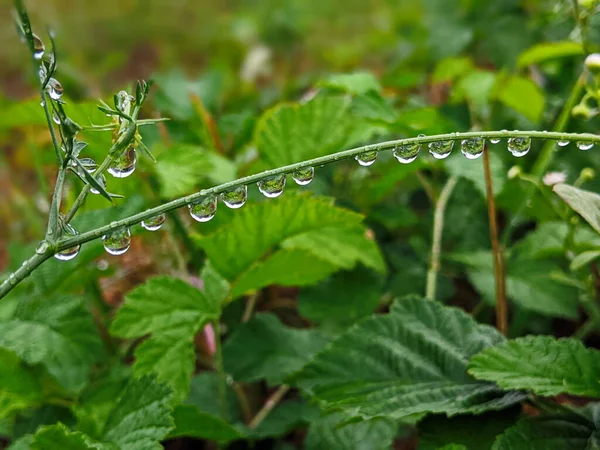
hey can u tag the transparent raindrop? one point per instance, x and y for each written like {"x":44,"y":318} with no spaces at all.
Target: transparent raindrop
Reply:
{"x":495,"y":140}
{"x":441,"y":149}
{"x":472,"y":148}
{"x":38,"y":47}
{"x":367,"y":158}
{"x":68,"y":253}
{"x":55,"y":89}
{"x":155,"y":223}
{"x":273,"y":186}
{"x":117,"y":242}
{"x":42,"y":248}
{"x":203,"y":210}
{"x":102,"y":180}
{"x":235,"y":198}
{"x":303,"y":176}
{"x":124,"y":165}
{"x":55,"y":118}
{"x":43,"y":73}
{"x":88,"y":164}
{"x":584,"y":145}
{"x":519,"y":146}
{"x":562,"y":143}
{"x":407,"y":153}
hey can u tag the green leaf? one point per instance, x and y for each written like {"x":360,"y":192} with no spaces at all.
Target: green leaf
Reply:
{"x":58,"y":437}
{"x":522,"y":95}
{"x":472,"y":170}
{"x":373,"y":107}
{"x":543,"y":364}
{"x":141,"y":416}
{"x":290,"y":133}
{"x":191,"y":422}
{"x":286,"y":417}
{"x":410,"y":361}
{"x":549,"y":50}
{"x":375,"y":434}
{"x":264,"y":348}
{"x":583,"y":259}
{"x":449,"y":69}
{"x":173,"y":311}
{"x":587,"y":204}
{"x":180,"y":169}
{"x":57,"y":333}
{"x":357,"y":83}
{"x":19,"y":386}
{"x":203,"y":395}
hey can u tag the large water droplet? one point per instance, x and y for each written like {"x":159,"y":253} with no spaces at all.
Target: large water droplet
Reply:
{"x":562,"y":143}
{"x":519,"y":146}
{"x":495,"y":140}
{"x":155,"y":223}
{"x":273,"y":186}
{"x":88,"y":164}
{"x":441,"y":149}
{"x":38,"y":47}
{"x":117,"y":242}
{"x":203,"y":210}
{"x":472,"y":148}
{"x":68,"y":253}
{"x":55,"y":89}
{"x":102,"y":181}
{"x":303,"y":176}
{"x":407,"y":153}
{"x":235,"y":198}
{"x":584,"y":145}
{"x":55,"y":118}
{"x":42,"y":248}
{"x":367,"y":158}
{"x":124,"y":165}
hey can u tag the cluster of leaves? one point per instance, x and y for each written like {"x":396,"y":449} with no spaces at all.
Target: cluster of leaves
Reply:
{"x":301,"y":321}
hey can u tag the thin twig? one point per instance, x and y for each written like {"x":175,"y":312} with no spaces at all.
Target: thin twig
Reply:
{"x":243,"y":402}
{"x":221,"y":375}
{"x":250,"y":305}
{"x":271,"y":403}
{"x":427,"y":186}
{"x":498,"y":256}
{"x":436,"y":246}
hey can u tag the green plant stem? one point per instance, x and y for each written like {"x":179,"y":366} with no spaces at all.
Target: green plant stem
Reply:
{"x":243,"y":402}
{"x":24,"y":271}
{"x":498,"y":254}
{"x":222,"y":376}
{"x":271,"y":403}
{"x":438,"y":228}
{"x":53,"y":230}
{"x":346,"y":154}
{"x":250,"y":305}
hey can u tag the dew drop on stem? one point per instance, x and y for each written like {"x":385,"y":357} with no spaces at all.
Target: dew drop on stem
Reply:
{"x":273,"y":186}
{"x":406,"y":153}
{"x":472,"y":148}
{"x":366,"y":158}
{"x":203,"y":210}
{"x":441,"y":149}
{"x":68,"y":253}
{"x":55,"y":118}
{"x":302,"y":177}
{"x":562,"y":143}
{"x":519,"y":146}
{"x":235,"y":198}
{"x":584,"y":145}
{"x":155,"y":223}
{"x":38,"y":47}
{"x":495,"y":140}
{"x":117,"y":242}
{"x":55,"y":89}
{"x":124,"y":165}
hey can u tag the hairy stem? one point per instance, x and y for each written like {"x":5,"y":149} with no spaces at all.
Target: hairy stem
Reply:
{"x":24,"y":271}
{"x":436,"y":246}
{"x":222,"y":376}
{"x":271,"y":403}
{"x":498,"y":254}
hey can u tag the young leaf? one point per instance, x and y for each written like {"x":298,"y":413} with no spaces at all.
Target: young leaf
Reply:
{"x":583,"y":202}
{"x":543,"y":364}
{"x":410,"y":361}
{"x":19,"y":387}
{"x":59,"y":437}
{"x":357,"y":83}
{"x":191,"y":422}
{"x":549,"y":50}
{"x":91,"y":180}
{"x":264,"y":348}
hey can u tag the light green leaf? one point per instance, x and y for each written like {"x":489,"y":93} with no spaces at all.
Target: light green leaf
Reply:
{"x":549,"y":50}
{"x":475,"y":88}
{"x":19,"y":387}
{"x":357,"y":83}
{"x":583,"y":259}
{"x":410,"y":361}
{"x":449,"y":69}
{"x":264,"y":348}
{"x":290,"y":133}
{"x":472,"y":170}
{"x":522,"y":95}
{"x":543,"y":364}
{"x":548,"y":240}
{"x":325,"y":433}
{"x":141,"y":416}
{"x":191,"y":422}
{"x":57,"y":333}
{"x":586,"y":203}
{"x":58,"y":437}
{"x":180,"y":169}
{"x":373,"y":107}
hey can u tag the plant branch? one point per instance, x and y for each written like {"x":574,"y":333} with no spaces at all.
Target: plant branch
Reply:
{"x":436,"y":246}
{"x":250,"y":305}
{"x":222,"y":376}
{"x":498,"y":254}
{"x":271,"y":403}
{"x":24,"y":271}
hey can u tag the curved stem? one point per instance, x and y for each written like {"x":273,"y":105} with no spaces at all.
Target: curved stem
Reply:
{"x":23,"y":272}
{"x":438,"y":228}
{"x":271,"y":403}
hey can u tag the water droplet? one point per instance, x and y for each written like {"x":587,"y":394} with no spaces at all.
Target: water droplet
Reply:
{"x":43,"y":103}
{"x":407,"y":153}
{"x":55,"y":89}
{"x":102,"y":180}
{"x":441,"y":149}
{"x":303,"y":176}
{"x":43,"y":73}
{"x":124,"y":165}
{"x":88,"y":164}
{"x":42,"y":248}
{"x":155,"y":223}
{"x":68,"y":253}
{"x":235,"y":198}
{"x":519,"y":146}
{"x":562,"y":143}
{"x":55,"y":118}
{"x":495,"y":140}
{"x":203,"y":210}
{"x":472,"y":148}
{"x":584,"y":145}
{"x":38,"y":47}
{"x":273,"y":186}
{"x":367,"y":158}
{"x":117,"y":242}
